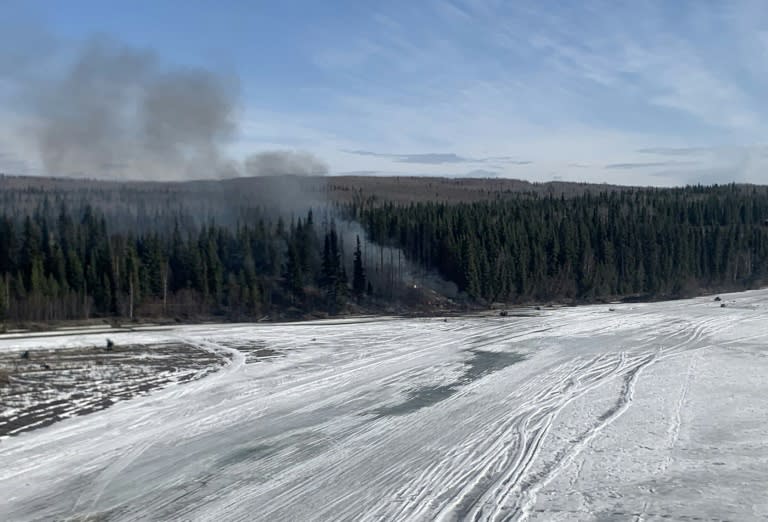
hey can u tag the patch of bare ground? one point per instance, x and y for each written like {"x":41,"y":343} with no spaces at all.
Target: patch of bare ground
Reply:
{"x":44,"y":386}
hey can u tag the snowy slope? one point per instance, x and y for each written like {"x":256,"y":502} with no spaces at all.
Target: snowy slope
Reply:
{"x":644,"y":412}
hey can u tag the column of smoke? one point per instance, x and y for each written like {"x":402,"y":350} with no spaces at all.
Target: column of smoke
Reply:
{"x":387,"y":268}
{"x":282,"y":182}
{"x":117,"y":112}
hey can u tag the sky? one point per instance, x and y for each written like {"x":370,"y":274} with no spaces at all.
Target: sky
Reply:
{"x":642,"y":93}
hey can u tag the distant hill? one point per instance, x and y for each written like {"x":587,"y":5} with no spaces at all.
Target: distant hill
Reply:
{"x":139,"y":205}
{"x":407,"y":189}
{"x":285,"y":191}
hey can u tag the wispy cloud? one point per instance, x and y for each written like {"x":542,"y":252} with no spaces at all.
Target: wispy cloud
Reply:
{"x":632,"y":92}
{"x":676,"y":151}
{"x":425,"y":158}
{"x":650,"y":164}
{"x":437,"y":158}
{"x":580,"y":103}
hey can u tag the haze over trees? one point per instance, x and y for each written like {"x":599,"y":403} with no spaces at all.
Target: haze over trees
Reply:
{"x":71,"y":267}
{"x":62,"y":258}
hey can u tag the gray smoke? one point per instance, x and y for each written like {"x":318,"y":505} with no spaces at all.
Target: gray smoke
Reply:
{"x":387,"y":267}
{"x":283,"y":174}
{"x":117,"y":112}
{"x":279,"y":162}
{"x":113,"y":111}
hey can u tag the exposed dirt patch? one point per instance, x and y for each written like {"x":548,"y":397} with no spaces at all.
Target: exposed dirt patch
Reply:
{"x":44,"y":386}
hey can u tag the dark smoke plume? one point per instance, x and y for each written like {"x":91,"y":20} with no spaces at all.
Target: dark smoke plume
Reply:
{"x":117,"y":112}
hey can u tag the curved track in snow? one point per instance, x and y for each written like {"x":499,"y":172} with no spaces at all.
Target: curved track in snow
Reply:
{"x":580,"y":413}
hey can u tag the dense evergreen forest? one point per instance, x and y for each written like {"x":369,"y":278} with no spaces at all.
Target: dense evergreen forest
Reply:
{"x":651,"y":243}
{"x":61,"y":260}
{"x":65,"y":266}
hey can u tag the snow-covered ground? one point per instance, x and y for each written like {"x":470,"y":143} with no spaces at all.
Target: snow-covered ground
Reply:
{"x":41,"y":386}
{"x":638,"y":412}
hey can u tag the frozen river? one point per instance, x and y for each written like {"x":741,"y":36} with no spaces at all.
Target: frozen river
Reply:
{"x":639,"y":412}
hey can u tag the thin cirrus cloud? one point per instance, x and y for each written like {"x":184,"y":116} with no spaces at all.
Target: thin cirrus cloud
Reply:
{"x":475,"y":173}
{"x":675,"y":151}
{"x":582,"y":103}
{"x":432,"y":158}
{"x":649,"y":164}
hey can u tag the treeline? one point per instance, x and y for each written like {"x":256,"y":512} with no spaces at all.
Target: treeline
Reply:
{"x":58,"y":262}
{"x":651,"y":243}
{"x":63,"y":265}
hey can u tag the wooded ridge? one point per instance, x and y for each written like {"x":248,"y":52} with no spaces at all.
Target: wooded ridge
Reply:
{"x":64,"y":258}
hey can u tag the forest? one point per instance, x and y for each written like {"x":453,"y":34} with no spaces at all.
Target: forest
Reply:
{"x":69,"y":266}
{"x":650,"y":243}
{"x":62,"y":259}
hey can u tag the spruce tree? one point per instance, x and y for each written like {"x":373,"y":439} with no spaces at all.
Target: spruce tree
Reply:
{"x":358,"y":271}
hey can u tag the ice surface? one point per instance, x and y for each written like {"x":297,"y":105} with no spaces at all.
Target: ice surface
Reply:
{"x":646,"y":412}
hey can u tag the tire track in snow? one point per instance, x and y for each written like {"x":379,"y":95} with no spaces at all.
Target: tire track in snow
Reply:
{"x":524,"y":433}
{"x":514,"y":443}
{"x":530,"y":439}
{"x":619,"y":409}
{"x":503,"y":501}
{"x":696,"y":332}
{"x":101,"y":482}
{"x":674,"y":429}
{"x":486,"y":451}
{"x":498,"y":459}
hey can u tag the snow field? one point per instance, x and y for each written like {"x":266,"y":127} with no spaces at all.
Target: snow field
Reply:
{"x":649,"y":411}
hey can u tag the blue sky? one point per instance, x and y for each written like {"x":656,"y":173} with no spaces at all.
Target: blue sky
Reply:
{"x":652,"y":93}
